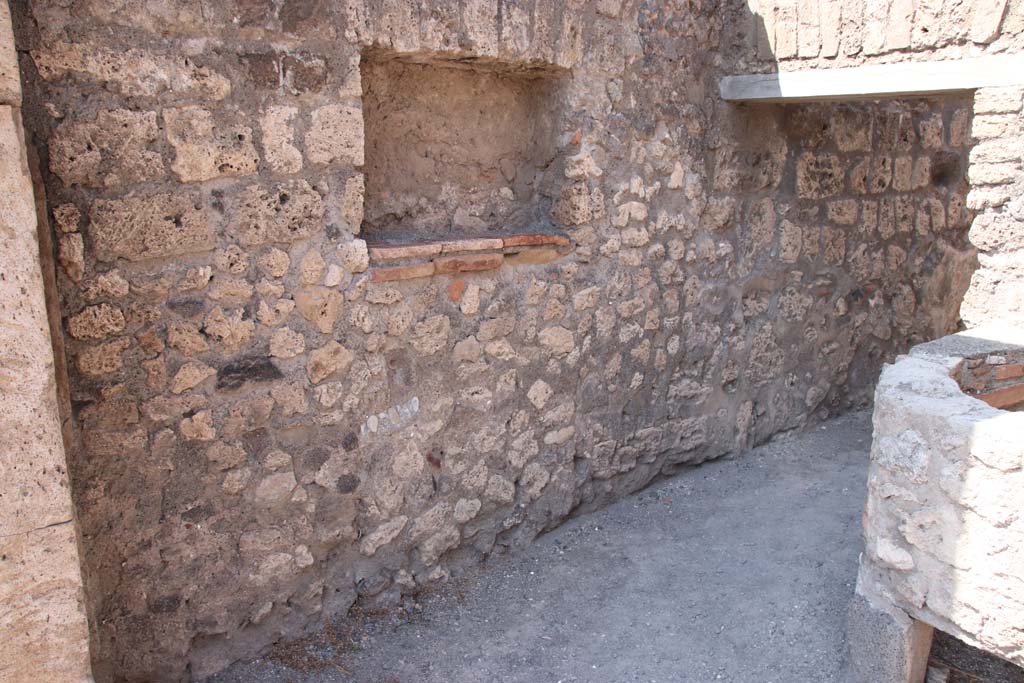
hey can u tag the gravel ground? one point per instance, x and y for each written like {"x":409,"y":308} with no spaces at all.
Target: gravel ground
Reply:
{"x":737,"y":570}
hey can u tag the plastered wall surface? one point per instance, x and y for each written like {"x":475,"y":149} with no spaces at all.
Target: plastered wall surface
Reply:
{"x":272,"y":421}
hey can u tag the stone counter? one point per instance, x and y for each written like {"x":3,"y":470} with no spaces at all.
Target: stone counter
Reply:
{"x":943,"y":526}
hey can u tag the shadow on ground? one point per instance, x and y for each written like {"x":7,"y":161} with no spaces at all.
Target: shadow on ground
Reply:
{"x":953,"y":661}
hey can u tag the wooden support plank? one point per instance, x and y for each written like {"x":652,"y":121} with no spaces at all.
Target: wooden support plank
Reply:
{"x":876,"y":81}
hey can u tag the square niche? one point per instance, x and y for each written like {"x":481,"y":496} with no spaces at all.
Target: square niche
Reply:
{"x":456,"y":148}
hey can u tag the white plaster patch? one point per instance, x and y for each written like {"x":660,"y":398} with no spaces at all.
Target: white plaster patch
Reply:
{"x":395,"y":417}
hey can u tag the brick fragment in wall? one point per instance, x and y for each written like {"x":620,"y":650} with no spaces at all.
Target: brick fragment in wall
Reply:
{"x":533,"y":256}
{"x":410,"y":251}
{"x":472,"y":244}
{"x":467,"y":263}
{"x":408,"y":272}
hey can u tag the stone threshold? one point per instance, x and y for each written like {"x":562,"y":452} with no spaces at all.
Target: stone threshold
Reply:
{"x":391,"y":262}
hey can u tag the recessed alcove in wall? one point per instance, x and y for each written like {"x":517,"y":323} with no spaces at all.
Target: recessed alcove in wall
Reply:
{"x":456,"y":147}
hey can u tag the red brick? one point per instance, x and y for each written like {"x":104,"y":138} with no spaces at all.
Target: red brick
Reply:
{"x":393,"y":252}
{"x":535,"y":240}
{"x":1004,"y":397}
{"x":456,"y":288}
{"x":1009,"y":371}
{"x":463,"y":264}
{"x":472,"y":244}
{"x":535,"y":256}
{"x":408,"y":272}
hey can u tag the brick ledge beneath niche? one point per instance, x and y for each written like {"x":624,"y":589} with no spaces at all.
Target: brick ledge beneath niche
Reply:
{"x":423,"y":259}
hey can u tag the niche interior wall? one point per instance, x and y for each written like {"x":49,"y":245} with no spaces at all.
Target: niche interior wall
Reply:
{"x":458,"y":147}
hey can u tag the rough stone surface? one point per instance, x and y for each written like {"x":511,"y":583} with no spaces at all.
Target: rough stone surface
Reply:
{"x":43,"y":618}
{"x":801,"y":35}
{"x":115,"y":148}
{"x":725,"y":274}
{"x":278,"y":139}
{"x":942,"y":533}
{"x":10,"y":82}
{"x":884,"y":644}
{"x":886,"y":31}
{"x":335,"y":135}
{"x":139,"y":228}
{"x":492,"y":165}
{"x":281,"y":213}
{"x":205,"y":149}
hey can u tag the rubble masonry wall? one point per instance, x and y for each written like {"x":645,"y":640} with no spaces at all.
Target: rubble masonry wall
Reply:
{"x":273,"y":419}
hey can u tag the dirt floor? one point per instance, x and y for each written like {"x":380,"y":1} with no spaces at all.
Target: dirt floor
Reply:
{"x":738,"y":570}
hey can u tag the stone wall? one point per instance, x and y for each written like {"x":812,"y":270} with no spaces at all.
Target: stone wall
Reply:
{"x":803,"y":34}
{"x":996,"y":173}
{"x":944,"y":539}
{"x":273,"y":420}
{"x":42,"y":620}
{"x":786,"y":35}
